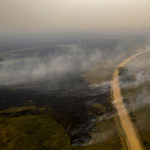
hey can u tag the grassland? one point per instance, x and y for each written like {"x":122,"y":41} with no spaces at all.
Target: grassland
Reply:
{"x":101,"y":108}
{"x":32,"y":132}
{"x":17,"y":109}
{"x":139,"y":112}
{"x":138,"y":95}
{"x":98,"y":74}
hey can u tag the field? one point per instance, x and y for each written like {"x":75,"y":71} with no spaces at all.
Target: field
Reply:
{"x":63,"y":108}
{"x":136,"y":92}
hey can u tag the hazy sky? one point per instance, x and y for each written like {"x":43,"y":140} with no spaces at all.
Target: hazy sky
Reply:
{"x":72,"y":14}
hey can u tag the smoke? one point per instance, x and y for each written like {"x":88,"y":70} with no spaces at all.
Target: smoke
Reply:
{"x":105,"y":84}
{"x":100,"y":137}
{"x":140,"y":78}
{"x":72,"y":59}
{"x":67,"y":61}
{"x":137,"y":90}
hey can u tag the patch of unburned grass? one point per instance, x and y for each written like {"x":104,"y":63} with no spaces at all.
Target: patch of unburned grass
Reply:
{"x":107,"y":136}
{"x":33,"y":132}
{"x":132,"y":92}
{"x":97,"y":74}
{"x":16,"y":109}
{"x":42,"y":109}
{"x":143,"y":124}
{"x":101,"y":108}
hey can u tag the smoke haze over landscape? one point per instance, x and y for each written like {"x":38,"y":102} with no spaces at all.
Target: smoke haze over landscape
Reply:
{"x":57,"y":80}
{"x":56,"y":15}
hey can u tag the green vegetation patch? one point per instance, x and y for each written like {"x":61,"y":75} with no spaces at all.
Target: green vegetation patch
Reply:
{"x":98,"y":74}
{"x":16,"y":109}
{"x":32,"y":132}
{"x":42,"y":109}
{"x":101,"y":108}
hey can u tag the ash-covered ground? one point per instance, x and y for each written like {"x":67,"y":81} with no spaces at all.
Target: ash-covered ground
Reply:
{"x":72,"y":107}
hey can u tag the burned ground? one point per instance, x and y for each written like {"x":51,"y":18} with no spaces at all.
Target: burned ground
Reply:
{"x":71,"y":107}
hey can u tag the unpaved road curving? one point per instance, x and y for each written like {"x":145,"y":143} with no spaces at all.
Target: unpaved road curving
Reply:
{"x":132,"y":140}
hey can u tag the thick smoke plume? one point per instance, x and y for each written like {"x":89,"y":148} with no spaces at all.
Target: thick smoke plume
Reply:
{"x":72,"y":59}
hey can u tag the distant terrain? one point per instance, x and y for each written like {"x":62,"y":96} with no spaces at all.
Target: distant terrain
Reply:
{"x":55,"y":91}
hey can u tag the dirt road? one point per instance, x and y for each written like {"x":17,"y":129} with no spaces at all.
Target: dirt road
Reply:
{"x":131,"y":137}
